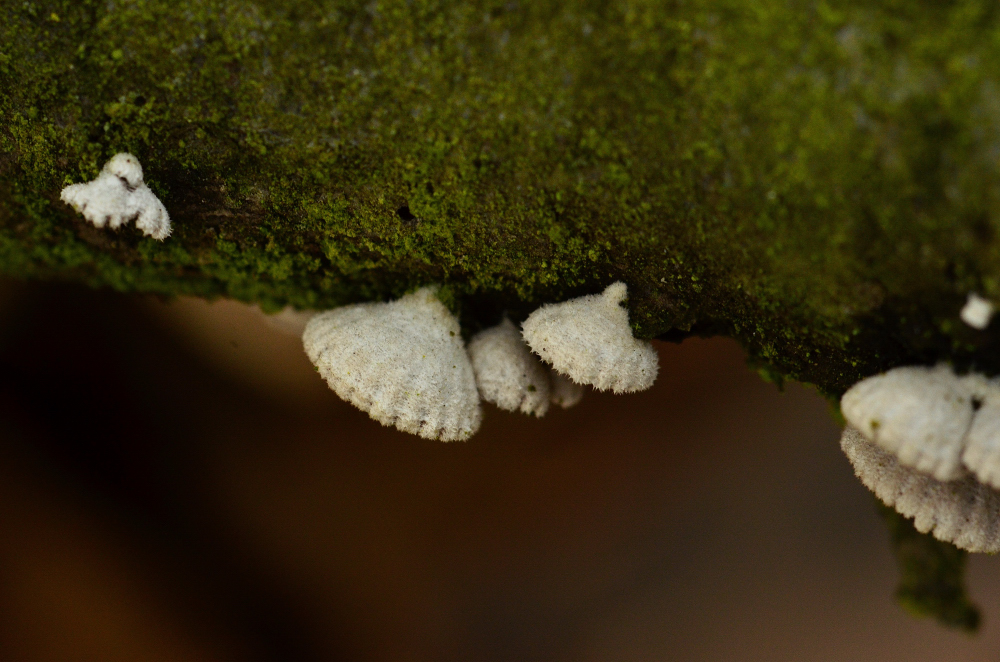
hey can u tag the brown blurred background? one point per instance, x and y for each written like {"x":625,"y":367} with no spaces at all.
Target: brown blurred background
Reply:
{"x":177,"y":483}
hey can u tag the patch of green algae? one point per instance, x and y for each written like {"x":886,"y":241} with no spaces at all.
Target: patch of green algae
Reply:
{"x":818,"y":180}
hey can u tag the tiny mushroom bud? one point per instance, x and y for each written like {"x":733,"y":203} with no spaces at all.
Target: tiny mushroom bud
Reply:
{"x":507,"y":373}
{"x":565,"y":392}
{"x":963,"y":512}
{"x":589,"y":340}
{"x":120,"y":195}
{"x":403,"y":362}
{"x":125,"y":167}
{"x":977,"y":311}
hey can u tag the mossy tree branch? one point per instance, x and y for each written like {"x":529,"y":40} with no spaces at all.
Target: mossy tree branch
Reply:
{"x":817,"y":180}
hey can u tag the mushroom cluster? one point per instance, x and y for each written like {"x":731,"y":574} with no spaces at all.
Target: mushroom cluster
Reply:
{"x":404,"y":362}
{"x":120,"y":195}
{"x":927,"y":442}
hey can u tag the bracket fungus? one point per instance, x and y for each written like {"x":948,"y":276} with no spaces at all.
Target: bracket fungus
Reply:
{"x":507,"y":373}
{"x":919,"y":414}
{"x":963,"y":512}
{"x":589,"y":340}
{"x":931,"y":449}
{"x":403,"y":362}
{"x":120,"y":195}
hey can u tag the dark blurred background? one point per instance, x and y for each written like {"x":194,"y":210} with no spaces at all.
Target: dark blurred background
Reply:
{"x":177,"y":483}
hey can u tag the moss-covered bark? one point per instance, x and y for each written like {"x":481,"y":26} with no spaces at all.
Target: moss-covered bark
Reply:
{"x":816,"y":179}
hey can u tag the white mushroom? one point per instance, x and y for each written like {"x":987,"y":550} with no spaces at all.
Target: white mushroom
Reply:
{"x":982,"y":443}
{"x":120,"y":195}
{"x":919,"y":414}
{"x":403,"y":362}
{"x":589,"y":340}
{"x":565,"y":392}
{"x":507,"y":373}
{"x":962,"y":511}
{"x":977,"y":311}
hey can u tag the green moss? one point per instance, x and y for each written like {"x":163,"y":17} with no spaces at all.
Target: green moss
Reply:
{"x":931,"y":572}
{"x":815,"y":180}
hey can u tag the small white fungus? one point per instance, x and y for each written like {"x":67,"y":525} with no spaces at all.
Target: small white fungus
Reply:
{"x":931,"y":420}
{"x":982,"y":443}
{"x":120,"y":195}
{"x":919,"y":414}
{"x":507,"y":373}
{"x":963,"y":512}
{"x":565,"y":392}
{"x":403,"y":362}
{"x":977,"y":311}
{"x":589,"y":340}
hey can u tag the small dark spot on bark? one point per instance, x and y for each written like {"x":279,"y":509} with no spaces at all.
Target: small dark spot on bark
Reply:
{"x":406,"y":215}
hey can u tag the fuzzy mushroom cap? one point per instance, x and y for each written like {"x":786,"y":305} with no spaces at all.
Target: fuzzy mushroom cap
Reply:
{"x":507,"y":373}
{"x":403,"y":362}
{"x":919,"y":414}
{"x":982,"y":443}
{"x":963,"y":512}
{"x":932,"y":420}
{"x":126,"y":167}
{"x":118,"y":196}
{"x":589,"y":340}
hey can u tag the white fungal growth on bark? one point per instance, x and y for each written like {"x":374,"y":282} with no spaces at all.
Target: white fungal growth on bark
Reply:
{"x":982,"y":443}
{"x":507,"y":373}
{"x":931,"y":419}
{"x":565,"y":392}
{"x":963,"y":512}
{"x":403,"y":362}
{"x":589,"y":340}
{"x":977,"y":311}
{"x":927,"y":442}
{"x":120,"y":195}
{"x":919,"y":414}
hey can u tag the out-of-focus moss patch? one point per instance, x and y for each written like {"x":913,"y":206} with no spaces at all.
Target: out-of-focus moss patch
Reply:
{"x":931,"y":574}
{"x":818,"y":180}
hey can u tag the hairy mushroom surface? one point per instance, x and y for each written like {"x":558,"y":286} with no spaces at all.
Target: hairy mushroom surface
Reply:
{"x":507,"y":373}
{"x":589,"y":340}
{"x":120,"y":195}
{"x":963,"y":512}
{"x":403,"y":362}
